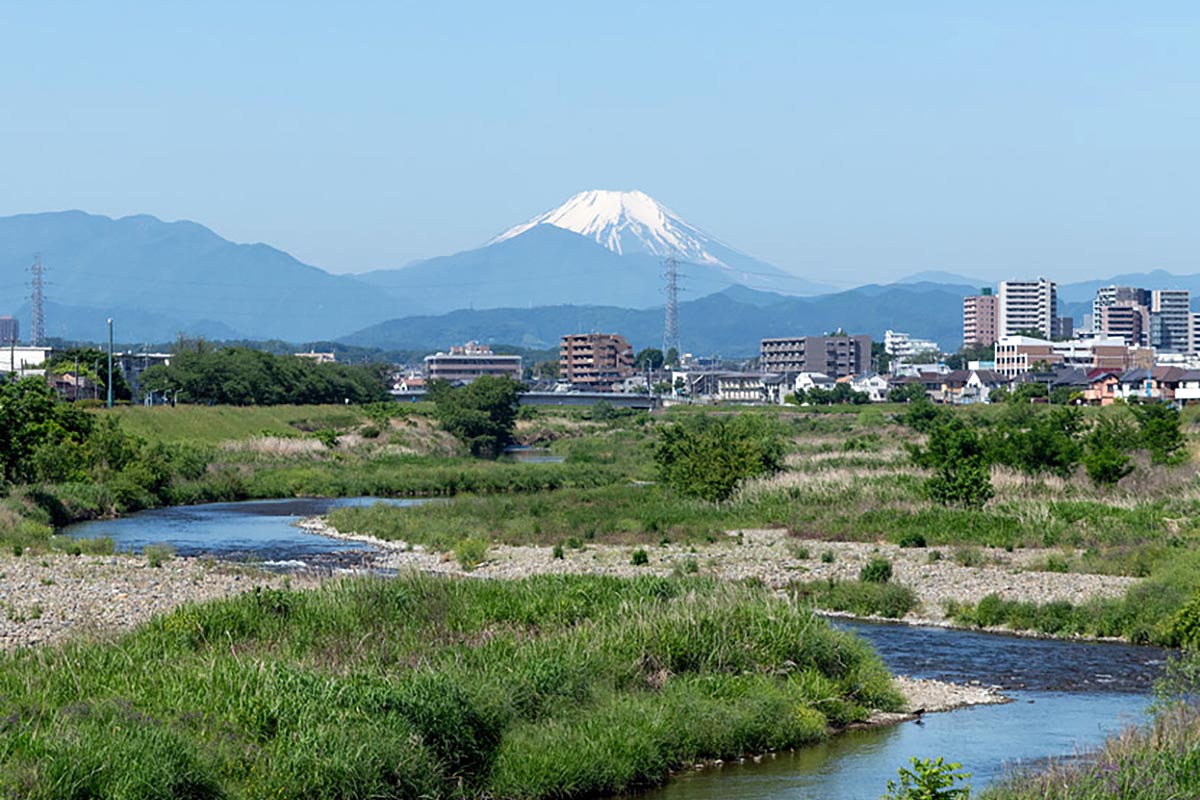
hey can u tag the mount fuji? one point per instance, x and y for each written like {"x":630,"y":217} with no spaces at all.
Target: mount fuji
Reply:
{"x":599,"y":247}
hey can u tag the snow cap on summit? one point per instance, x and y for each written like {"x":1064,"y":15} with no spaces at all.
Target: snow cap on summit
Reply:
{"x":627,"y":222}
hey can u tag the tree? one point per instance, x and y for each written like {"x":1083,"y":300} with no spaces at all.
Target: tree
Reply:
{"x":1158,"y":430}
{"x":959,"y":461}
{"x":649,"y":358}
{"x":965,"y":355}
{"x":671,"y":357}
{"x":707,"y":457}
{"x":93,"y":365}
{"x":911,"y":392}
{"x":482,"y":414}
{"x":546,"y":370}
{"x":1049,"y":442}
{"x":1104,"y":455}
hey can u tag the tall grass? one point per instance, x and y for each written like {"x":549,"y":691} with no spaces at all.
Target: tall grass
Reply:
{"x":423,"y":687}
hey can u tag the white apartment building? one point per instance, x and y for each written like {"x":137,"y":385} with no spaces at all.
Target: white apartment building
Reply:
{"x":1027,"y":306}
{"x":903,"y":346}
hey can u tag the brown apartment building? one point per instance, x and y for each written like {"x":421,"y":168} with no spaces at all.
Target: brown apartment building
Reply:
{"x":979,"y":319}
{"x":835,"y":356}
{"x":595,"y":361}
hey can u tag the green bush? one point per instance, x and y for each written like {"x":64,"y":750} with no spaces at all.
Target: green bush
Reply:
{"x":639,"y":558}
{"x":707,"y":457}
{"x":470,"y":553}
{"x":911,"y":539}
{"x":930,"y":779}
{"x":877,"y":570}
{"x":960,"y":464}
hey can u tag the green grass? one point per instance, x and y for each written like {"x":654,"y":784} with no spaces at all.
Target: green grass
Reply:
{"x":861,"y":598}
{"x":422,"y":687}
{"x":618,"y":513}
{"x":216,"y":424}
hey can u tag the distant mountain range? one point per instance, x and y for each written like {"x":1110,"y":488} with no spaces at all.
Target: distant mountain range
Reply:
{"x":157,"y":279}
{"x":728,"y":323}
{"x":593,"y":263}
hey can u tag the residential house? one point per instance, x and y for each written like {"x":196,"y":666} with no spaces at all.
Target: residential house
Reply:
{"x":873,"y":385}
{"x":969,"y":386}
{"x":1103,"y":387}
{"x":1187,"y":388}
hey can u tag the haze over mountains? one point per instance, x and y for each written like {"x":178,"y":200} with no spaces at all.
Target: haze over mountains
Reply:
{"x":595,"y":262}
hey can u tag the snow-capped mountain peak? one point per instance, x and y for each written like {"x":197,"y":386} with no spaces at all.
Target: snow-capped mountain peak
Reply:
{"x":628,"y":222}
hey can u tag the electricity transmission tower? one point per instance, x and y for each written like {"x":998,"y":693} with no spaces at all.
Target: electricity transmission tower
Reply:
{"x":37,"y":302}
{"x":671,"y":322}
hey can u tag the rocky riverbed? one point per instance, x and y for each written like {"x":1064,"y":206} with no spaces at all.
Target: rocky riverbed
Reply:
{"x":45,"y":598}
{"x":776,"y":558}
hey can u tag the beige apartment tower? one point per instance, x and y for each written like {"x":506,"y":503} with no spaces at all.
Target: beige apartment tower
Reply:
{"x":595,"y":361}
{"x":979,"y":319}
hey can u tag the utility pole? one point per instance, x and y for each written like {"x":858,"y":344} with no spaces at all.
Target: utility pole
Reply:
{"x":37,"y":304}
{"x":76,"y":377}
{"x":109,"y":382}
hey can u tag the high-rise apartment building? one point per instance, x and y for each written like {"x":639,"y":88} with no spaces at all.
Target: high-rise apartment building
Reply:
{"x":979,"y":319}
{"x":1026,"y":306}
{"x":1125,"y":320}
{"x":1112,"y":295}
{"x":595,"y":361}
{"x":10,"y":331}
{"x":836,"y":356}
{"x":1170,"y":319}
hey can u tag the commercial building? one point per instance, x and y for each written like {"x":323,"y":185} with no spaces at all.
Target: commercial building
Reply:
{"x":23,"y":361}
{"x":1016,"y":355}
{"x":835,"y":356}
{"x":979,"y":319}
{"x":470,"y":361}
{"x":595,"y":361}
{"x":1027,"y":306}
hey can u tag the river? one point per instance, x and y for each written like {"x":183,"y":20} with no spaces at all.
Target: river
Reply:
{"x":1068,"y":696}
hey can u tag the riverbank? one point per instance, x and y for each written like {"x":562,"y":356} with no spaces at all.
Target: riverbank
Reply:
{"x":49,"y":598}
{"x":777,"y":559}
{"x":552,"y":686}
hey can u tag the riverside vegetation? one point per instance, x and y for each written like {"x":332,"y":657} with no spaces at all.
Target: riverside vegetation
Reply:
{"x":1108,"y":491}
{"x":423,"y":687}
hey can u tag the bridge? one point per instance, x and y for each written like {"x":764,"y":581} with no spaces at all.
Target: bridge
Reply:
{"x":645,"y":402}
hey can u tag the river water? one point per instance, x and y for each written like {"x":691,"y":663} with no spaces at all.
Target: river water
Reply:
{"x":1068,"y":696}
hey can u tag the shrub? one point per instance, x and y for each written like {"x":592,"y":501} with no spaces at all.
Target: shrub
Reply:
{"x":912,"y":539}
{"x":929,"y":779}
{"x":1158,"y":429}
{"x":877,"y":570}
{"x":827,"y":557}
{"x":1104,"y":455}
{"x":470,"y":553}
{"x":558,"y":551}
{"x":707,"y":457}
{"x":156,"y":554}
{"x":639,"y":558}
{"x":960,"y":464}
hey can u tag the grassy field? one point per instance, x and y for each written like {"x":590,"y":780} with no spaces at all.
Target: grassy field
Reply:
{"x":216,"y":424}
{"x":422,"y":687}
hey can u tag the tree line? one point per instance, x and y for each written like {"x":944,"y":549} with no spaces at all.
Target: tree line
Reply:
{"x":241,"y":376}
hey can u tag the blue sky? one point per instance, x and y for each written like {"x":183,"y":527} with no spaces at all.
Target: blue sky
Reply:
{"x":848,"y":141}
